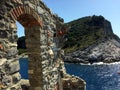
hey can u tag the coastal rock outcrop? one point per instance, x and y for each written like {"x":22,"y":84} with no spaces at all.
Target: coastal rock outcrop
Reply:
{"x":91,"y":39}
{"x":106,"y":51}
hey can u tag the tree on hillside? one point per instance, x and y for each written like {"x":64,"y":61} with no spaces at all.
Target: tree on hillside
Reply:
{"x":21,"y":43}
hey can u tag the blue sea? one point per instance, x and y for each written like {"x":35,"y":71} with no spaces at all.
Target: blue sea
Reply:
{"x":97,"y":77}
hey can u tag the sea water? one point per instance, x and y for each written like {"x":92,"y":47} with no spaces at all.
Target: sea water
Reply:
{"x":97,"y":76}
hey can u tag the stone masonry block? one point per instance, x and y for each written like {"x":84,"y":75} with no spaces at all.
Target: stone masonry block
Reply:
{"x":6,"y":80}
{"x":2,"y":61}
{"x":12,"y":67}
{"x":40,"y":10}
{"x":16,"y":78}
{"x":12,"y":52}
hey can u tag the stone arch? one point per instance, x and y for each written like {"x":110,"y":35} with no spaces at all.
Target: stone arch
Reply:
{"x":20,"y":13}
{"x":33,"y":26}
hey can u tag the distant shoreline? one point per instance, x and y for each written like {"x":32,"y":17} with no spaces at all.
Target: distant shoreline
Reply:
{"x":23,"y":56}
{"x":87,"y":63}
{"x":95,"y":63}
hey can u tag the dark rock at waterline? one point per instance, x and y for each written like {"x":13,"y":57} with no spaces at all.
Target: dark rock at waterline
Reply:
{"x":69,"y":59}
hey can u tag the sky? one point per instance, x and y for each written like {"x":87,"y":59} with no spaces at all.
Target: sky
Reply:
{"x":73,"y":9}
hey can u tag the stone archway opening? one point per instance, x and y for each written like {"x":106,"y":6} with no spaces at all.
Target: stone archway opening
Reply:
{"x":22,"y":51}
{"x":32,"y":24}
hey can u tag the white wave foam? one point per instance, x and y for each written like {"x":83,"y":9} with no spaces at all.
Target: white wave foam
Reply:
{"x":98,"y":63}
{"x":101,"y":63}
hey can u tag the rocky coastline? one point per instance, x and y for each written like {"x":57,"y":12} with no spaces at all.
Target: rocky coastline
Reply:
{"x":91,"y":40}
{"x":107,"y":52}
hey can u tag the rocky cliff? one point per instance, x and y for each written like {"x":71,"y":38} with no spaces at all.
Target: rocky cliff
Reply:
{"x":91,"y":39}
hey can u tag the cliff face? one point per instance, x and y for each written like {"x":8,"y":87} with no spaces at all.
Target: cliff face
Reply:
{"x":93,"y":39}
{"x":106,"y":51}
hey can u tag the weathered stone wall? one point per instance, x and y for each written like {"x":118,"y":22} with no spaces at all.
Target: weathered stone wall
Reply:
{"x":42,"y":33}
{"x":41,"y":37}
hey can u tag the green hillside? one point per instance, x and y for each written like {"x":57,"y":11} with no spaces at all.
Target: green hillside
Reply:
{"x":87,"y":31}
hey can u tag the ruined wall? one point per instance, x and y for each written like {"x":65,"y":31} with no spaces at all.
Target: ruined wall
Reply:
{"x":41,"y":39}
{"x":43,"y":33}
